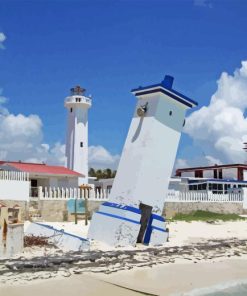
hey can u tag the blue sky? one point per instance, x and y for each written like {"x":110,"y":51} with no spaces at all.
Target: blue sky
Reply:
{"x":110,"y":47}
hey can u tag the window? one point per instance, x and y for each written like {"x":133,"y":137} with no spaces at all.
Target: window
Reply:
{"x":81,"y":144}
{"x":71,"y":109}
{"x":199,"y":174}
{"x":170,"y":113}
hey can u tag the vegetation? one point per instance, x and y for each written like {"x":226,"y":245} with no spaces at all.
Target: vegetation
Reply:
{"x":102,"y":174}
{"x":205,"y":216}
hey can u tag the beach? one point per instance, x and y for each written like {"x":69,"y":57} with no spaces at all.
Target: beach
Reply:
{"x":199,"y":258}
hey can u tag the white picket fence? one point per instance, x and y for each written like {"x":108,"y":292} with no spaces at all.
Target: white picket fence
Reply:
{"x":14,"y":176}
{"x":196,"y":196}
{"x":56,"y":193}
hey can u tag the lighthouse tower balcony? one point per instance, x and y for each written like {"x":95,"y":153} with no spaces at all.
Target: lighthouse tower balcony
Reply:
{"x":77,"y":99}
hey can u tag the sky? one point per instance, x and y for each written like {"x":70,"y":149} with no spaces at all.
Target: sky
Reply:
{"x":110,"y":47}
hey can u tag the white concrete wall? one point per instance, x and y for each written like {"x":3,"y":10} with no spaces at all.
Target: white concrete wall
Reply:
{"x":149,"y":153}
{"x":245,"y":175}
{"x":14,"y":190}
{"x":231,"y":173}
{"x":188,"y":174}
{"x":208,"y":174}
{"x":14,"y":242}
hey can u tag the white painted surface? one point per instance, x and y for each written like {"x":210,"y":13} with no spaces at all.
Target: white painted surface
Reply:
{"x":230,"y":173}
{"x":145,"y":166}
{"x":14,"y":241}
{"x":113,"y":232}
{"x":245,"y":175}
{"x":158,"y":237}
{"x":150,"y":150}
{"x":13,"y":175}
{"x":208,"y":174}
{"x":77,"y":133}
{"x":244,"y":198}
{"x":14,"y":190}
{"x":196,"y":196}
{"x":64,"y":241}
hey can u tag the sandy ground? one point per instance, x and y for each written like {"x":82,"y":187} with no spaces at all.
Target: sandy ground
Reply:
{"x":179,"y":275}
{"x":182,"y":279}
{"x":171,"y":280}
{"x":82,"y":285}
{"x":181,"y":233}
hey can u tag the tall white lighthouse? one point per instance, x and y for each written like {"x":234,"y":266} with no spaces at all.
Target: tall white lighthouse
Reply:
{"x":77,"y":132}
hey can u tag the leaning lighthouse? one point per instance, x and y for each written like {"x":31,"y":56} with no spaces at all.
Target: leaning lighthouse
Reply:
{"x":77,"y":105}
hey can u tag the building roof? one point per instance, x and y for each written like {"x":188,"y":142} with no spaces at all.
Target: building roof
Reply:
{"x":165,"y":87}
{"x":212,"y":167}
{"x":40,"y":168}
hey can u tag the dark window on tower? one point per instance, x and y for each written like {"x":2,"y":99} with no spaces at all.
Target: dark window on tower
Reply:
{"x":220,"y":174}
{"x":71,"y":109}
{"x":81,"y":144}
{"x":170,"y":113}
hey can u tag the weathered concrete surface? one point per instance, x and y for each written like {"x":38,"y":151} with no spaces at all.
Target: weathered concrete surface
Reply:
{"x":24,"y":206}
{"x":171,"y":208}
{"x":56,"y":210}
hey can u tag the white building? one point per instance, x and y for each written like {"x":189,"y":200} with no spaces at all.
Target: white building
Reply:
{"x":22,"y":181}
{"x":77,"y":132}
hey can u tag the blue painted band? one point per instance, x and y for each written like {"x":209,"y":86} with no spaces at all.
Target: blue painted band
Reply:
{"x":159,"y":229}
{"x":122,"y":207}
{"x":118,"y":217}
{"x":141,"y":90}
{"x":175,"y":97}
{"x":61,"y":231}
{"x":157,"y":217}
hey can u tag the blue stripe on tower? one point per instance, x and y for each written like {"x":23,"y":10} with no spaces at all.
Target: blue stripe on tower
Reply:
{"x":118,"y":217}
{"x":122,"y":207}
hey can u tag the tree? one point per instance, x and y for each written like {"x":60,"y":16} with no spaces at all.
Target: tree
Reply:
{"x":99,"y":174}
{"x":91,"y":172}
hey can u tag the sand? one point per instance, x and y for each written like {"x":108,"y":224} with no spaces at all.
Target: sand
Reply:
{"x":82,"y":285}
{"x":182,"y":279}
{"x":196,"y":257}
{"x":171,"y":279}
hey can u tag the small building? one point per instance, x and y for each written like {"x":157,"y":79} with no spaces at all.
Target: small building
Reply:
{"x":226,"y":171}
{"x":41,"y":177}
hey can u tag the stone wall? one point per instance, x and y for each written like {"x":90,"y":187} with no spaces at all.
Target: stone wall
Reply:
{"x":171,"y":208}
{"x":56,"y":210}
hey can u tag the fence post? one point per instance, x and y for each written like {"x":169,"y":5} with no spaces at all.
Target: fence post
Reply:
{"x":244,"y":198}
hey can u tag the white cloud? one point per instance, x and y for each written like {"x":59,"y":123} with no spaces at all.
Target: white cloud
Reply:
{"x":203,"y":3}
{"x":100,"y":158}
{"x":2,"y":39}
{"x":21,"y":138}
{"x":3,"y":100}
{"x":221,"y":127}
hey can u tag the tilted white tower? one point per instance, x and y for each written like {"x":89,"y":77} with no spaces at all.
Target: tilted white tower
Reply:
{"x":134,"y":210}
{"x":77,"y":132}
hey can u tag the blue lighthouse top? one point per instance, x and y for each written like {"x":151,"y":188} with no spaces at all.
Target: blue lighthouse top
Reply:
{"x":165,"y":87}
